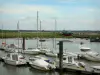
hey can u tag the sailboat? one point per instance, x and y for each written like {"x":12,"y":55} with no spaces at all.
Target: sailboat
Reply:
{"x":41,"y":39}
{"x":33,"y":50}
{"x":13,"y":47}
{"x":3,"y":44}
{"x":14,"y":58}
{"x":51,"y":53}
{"x":43,"y":48}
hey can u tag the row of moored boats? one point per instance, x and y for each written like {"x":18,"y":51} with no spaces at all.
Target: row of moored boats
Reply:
{"x":13,"y":57}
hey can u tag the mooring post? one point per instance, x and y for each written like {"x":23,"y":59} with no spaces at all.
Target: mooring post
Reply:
{"x":60,"y":56}
{"x":23,"y":45}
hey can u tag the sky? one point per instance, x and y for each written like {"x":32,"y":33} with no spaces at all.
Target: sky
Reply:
{"x":69,"y":14}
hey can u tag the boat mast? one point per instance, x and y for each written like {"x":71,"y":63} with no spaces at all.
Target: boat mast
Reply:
{"x":18,"y":34}
{"x":37,"y":29}
{"x":54,"y":39}
{"x":40,"y":33}
{"x":2,"y":33}
{"x":55,"y":32}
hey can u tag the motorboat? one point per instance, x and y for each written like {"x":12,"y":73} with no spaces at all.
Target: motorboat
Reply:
{"x":89,"y":54}
{"x":14,"y":59}
{"x":70,"y":63}
{"x":41,"y":63}
{"x":31,"y":51}
{"x":44,"y":58}
{"x":95,"y":69}
{"x":70,"y":53}
{"x":85,"y":49}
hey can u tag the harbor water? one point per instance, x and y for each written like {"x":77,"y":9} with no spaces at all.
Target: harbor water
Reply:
{"x":72,"y":46}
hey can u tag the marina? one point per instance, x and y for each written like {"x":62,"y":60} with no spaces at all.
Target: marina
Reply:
{"x":50,"y":37}
{"x":72,"y":47}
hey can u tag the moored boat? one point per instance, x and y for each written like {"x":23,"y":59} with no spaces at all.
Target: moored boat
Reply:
{"x":51,"y":54}
{"x":3,"y":46}
{"x":85,"y":49}
{"x":13,"y":48}
{"x":88,"y":54}
{"x":96,"y":69}
{"x":97,"y":39}
{"x":70,"y":63}
{"x":41,"y":63}
{"x":44,"y":50}
{"x":14,"y":59}
{"x":91,"y":55}
{"x":31,"y":51}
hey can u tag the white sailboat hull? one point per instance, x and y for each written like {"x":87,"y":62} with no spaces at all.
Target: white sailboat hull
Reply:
{"x":51,"y":54}
{"x":31,"y":51}
{"x":44,"y":50}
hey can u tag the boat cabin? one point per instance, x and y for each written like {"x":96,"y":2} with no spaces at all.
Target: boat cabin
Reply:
{"x":69,"y":59}
{"x":14,"y":56}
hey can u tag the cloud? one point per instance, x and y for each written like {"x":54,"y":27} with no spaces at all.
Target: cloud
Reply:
{"x":26,"y":9}
{"x":69,"y":16}
{"x":68,"y":1}
{"x":75,"y":1}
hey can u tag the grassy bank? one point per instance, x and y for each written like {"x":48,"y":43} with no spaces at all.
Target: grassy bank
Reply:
{"x":44,"y":35}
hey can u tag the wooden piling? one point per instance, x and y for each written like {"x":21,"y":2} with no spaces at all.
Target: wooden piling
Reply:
{"x":61,"y":57}
{"x":23,"y":45}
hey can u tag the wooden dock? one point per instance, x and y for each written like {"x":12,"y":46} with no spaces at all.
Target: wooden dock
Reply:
{"x":78,"y":72}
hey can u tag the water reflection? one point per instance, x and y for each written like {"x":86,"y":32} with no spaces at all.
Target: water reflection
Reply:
{"x":6,"y":69}
{"x":39,"y":72}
